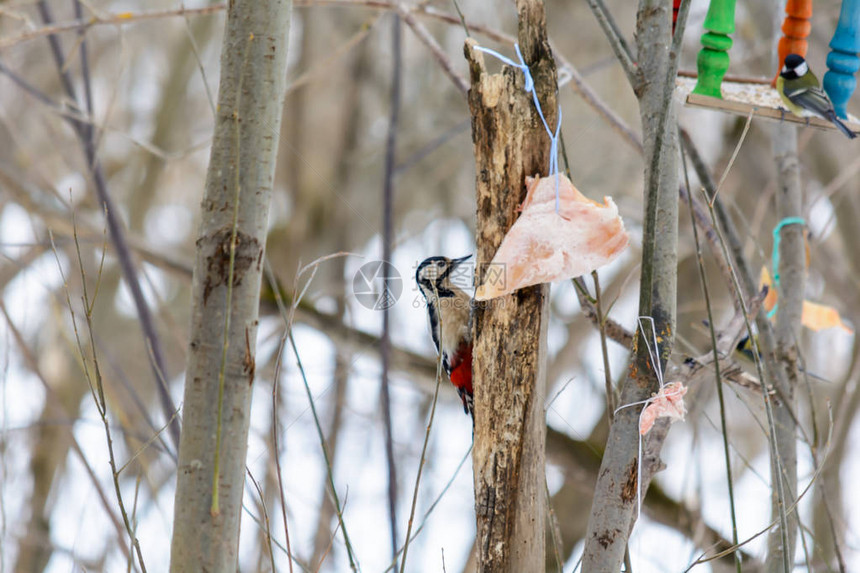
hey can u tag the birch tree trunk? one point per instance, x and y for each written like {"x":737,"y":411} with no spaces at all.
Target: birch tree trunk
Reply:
{"x":613,"y":511}
{"x":509,"y":367}
{"x":226,"y":287}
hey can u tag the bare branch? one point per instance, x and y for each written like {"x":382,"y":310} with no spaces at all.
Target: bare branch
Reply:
{"x":617,"y":42}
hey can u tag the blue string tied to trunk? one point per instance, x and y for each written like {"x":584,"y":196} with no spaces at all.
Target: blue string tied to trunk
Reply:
{"x":777,"y":239}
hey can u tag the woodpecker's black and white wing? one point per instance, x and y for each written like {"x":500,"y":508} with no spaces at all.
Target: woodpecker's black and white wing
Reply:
{"x":433,"y":325}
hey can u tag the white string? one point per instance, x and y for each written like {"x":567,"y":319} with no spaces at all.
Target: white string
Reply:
{"x":639,"y":454}
{"x":655,"y":362}
{"x":654,"y":356}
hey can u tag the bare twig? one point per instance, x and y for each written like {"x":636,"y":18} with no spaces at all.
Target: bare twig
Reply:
{"x":611,"y":394}
{"x":617,"y":42}
{"x":270,"y":276}
{"x":76,"y":116}
{"x":555,"y":531}
{"x":126,"y":18}
{"x":119,"y":19}
{"x":703,"y":221}
{"x":766,"y":395}
{"x":29,"y":88}
{"x":791,"y":509}
{"x":733,"y":157}
{"x":323,"y":69}
{"x":435,"y":49}
{"x":724,"y":427}
{"x":387,"y":239}
{"x":725,"y":222}
{"x":577,"y":81}
{"x":329,"y":470}
{"x":420,"y":466}
{"x":614,"y":331}
{"x":433,"y":505}
{"x":580,"y":86}
{"x":33,"y":365}
{"x":432,"y":146}
{"x":101,"y":404}
{"x":288,"y":334}
{"x":130,"y":560}
{"x":268,"y":530}
{"x":196,"y":51}
{"x":87,"y":137}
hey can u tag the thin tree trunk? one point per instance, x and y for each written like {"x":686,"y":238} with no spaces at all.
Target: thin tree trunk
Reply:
{"x":226,"y":287}
{"x":613,"y":510}
{"x":792,"y":273}
{"x":509,"y":367}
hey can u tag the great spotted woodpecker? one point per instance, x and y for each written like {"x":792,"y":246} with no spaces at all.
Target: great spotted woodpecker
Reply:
{"x":450,"y":311}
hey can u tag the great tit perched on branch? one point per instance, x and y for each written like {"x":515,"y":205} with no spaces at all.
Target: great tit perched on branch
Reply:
{"x":799,"y":89}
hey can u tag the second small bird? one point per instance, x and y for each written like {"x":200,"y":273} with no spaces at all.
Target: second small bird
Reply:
{"x":799,"y":89}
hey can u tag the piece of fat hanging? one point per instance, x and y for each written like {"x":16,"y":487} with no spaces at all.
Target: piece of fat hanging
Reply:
{"x":545,"y":246}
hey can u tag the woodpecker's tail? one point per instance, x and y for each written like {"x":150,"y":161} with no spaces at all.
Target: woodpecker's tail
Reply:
{"x":838,"y":123}
{"x":468,"y":402}
{"x":468,"y":406}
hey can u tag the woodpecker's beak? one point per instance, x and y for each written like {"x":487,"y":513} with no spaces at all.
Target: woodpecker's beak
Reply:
{"x":457,"y":262}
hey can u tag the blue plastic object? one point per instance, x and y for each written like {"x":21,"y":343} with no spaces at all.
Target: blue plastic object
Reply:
{"x":843,"y":63}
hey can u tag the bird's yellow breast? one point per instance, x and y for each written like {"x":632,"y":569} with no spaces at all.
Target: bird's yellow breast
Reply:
{"x":792,"y":107}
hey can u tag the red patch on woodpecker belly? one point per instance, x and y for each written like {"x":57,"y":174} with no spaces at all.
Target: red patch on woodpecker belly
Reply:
{"x":461,"y":368}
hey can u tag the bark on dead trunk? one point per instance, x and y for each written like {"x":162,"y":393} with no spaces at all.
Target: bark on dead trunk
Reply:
{"x":226,"y":287}
{"x":510,"y":332}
